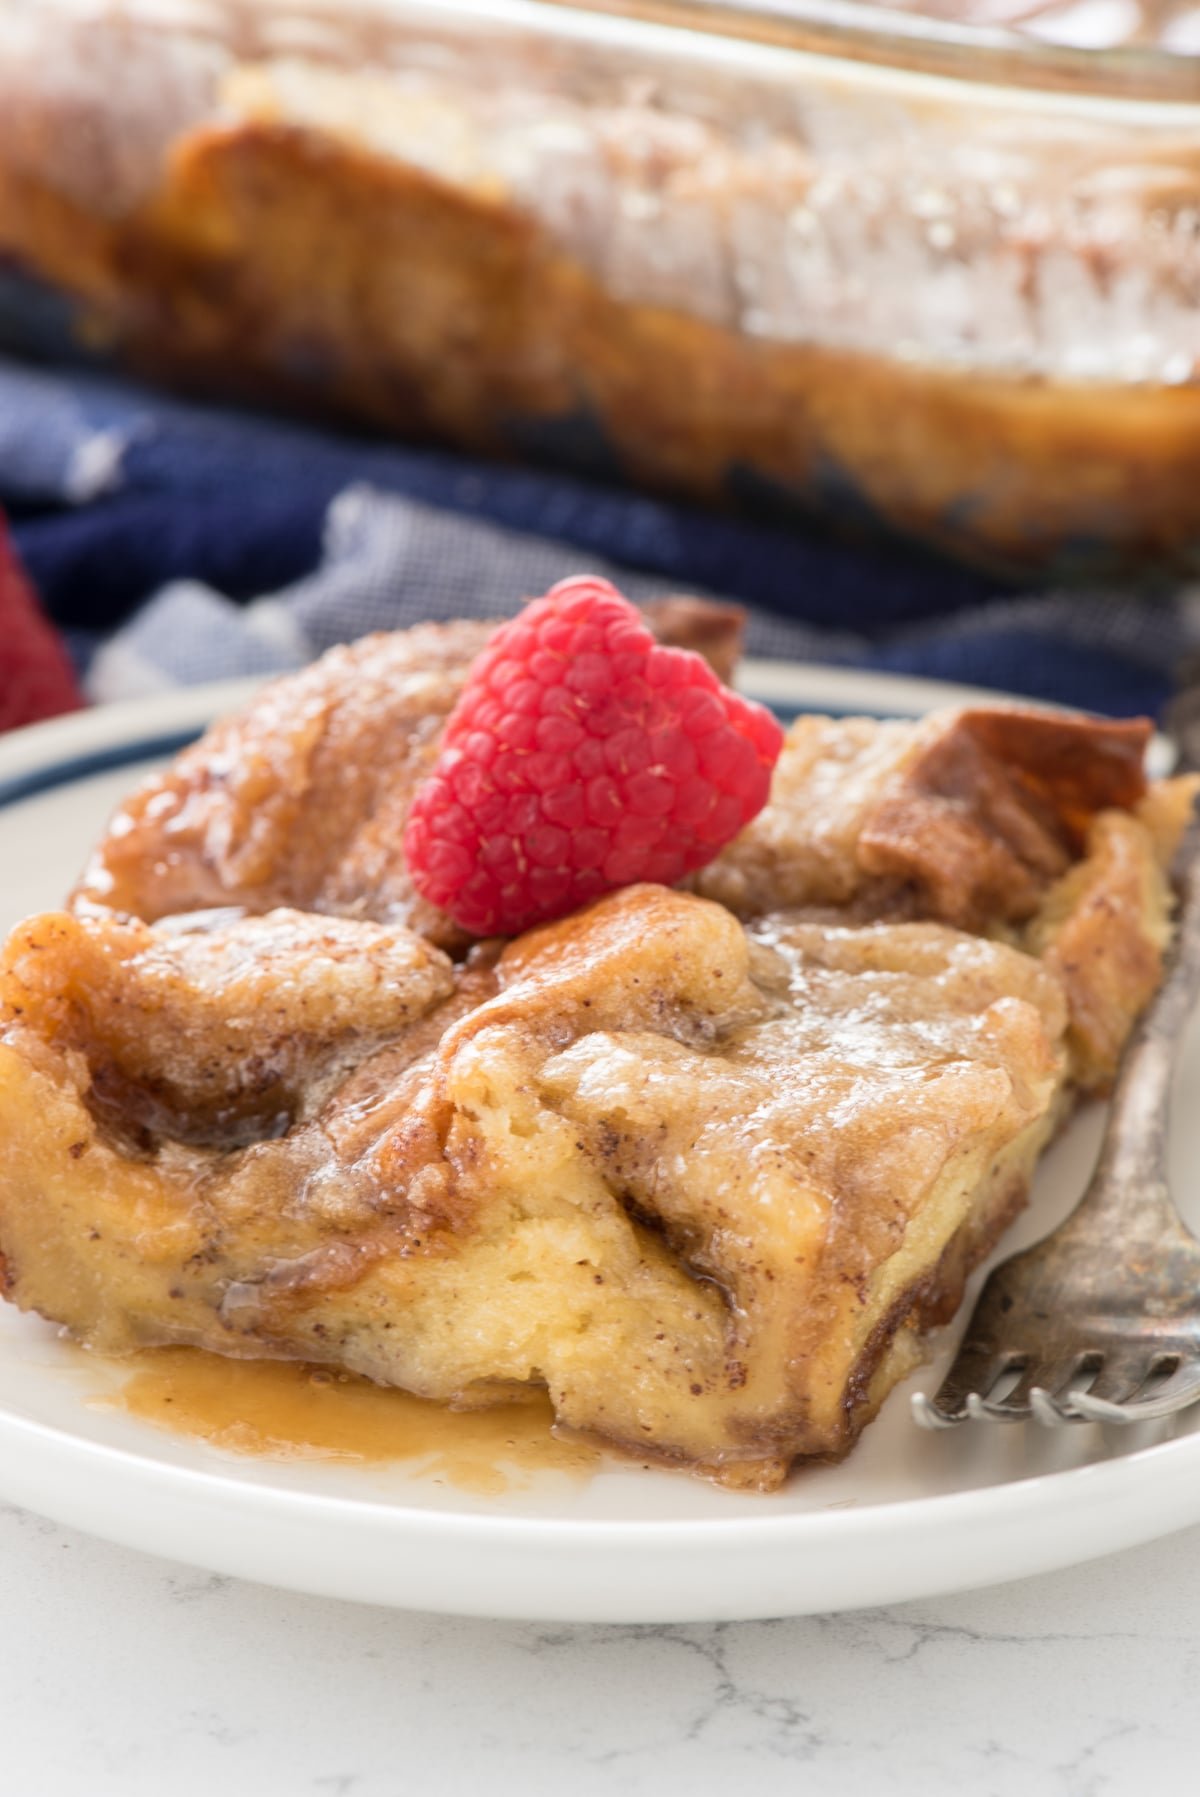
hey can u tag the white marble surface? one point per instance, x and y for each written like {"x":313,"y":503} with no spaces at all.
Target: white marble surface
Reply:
{"x":122,"y":1676}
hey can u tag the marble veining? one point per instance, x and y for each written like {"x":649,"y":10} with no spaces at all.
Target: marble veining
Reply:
{"x":123,"y":1676}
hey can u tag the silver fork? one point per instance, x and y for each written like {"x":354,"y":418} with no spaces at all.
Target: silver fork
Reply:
{"x":1100,"y":1322}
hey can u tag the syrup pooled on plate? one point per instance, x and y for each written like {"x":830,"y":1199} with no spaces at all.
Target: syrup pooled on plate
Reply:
{"x":286,"y":1410}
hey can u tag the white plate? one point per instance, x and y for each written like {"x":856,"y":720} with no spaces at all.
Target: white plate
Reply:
{"x":908,"y":1514}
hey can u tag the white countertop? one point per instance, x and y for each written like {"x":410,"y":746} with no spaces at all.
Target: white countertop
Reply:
{"x":123,"y":1676}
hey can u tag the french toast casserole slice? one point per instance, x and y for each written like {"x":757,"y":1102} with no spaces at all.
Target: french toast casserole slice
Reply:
{"x":705,"y":1165}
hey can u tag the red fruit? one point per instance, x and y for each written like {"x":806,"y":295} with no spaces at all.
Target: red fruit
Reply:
{"x":582,"y":755}
{"x":36,"y":678}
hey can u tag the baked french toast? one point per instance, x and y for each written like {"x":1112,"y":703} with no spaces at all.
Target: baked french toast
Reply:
{"x":704,"y":1165}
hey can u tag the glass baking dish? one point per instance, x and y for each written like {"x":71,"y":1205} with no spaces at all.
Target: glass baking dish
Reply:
{"x":919,"y":276}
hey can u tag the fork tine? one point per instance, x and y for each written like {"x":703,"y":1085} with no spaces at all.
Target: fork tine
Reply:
{"x":1051,"y":1400}
{"x":1180,"y":1390}
{"x":1016,"y":1406}
{"x":925,"y":1411}
{"x":982,"y":1410}
{"x":1037,"y":1392}
{"x":1047,"y":1410}
{"x":975,"y":1369}
{"x":1121,"y":1375}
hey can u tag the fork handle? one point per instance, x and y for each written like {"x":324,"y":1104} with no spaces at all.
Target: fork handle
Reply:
{"x":1133,"y":1157}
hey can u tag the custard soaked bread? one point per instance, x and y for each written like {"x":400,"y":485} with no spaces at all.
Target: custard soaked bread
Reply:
{"x":703,"y":1165}
{"x":705,"y":1185}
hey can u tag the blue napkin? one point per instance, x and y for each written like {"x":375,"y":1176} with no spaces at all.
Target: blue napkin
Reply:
{"x":178,"y":542}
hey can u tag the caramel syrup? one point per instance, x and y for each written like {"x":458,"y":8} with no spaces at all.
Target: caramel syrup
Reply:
{"x":284,"y":1410}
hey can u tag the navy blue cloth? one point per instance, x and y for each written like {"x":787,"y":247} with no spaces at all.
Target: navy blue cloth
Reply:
{"x":116,"y":492}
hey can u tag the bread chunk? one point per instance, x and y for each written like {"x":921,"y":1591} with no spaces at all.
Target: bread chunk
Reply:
{"x":965,"y":816}
{"x":1034,"y":826}
{"x":216,"y":1025}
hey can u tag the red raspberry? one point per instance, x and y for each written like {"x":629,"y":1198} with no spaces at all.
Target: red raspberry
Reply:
{"x":36,"y":678}
{"x":582,"y":755}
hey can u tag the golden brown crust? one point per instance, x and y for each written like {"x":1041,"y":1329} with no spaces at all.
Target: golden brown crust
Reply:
{"x":966,"y":816}
{"x":994,"y":804}
{"x":1105,"y":926}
